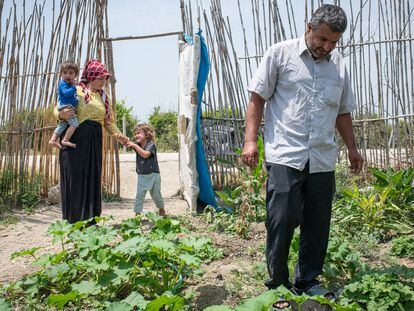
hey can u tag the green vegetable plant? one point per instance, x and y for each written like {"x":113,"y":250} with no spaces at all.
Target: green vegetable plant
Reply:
{"x":114,"y":267}
{"x":403,"y":246}
{"x":247,"y":200}
{"x":379,"y":291}
{"x":399,"y":185}
{"x":369,"y":210}
{"x":220,"y":221}
{"x":265,"y":301}
{"x":342,"y":261}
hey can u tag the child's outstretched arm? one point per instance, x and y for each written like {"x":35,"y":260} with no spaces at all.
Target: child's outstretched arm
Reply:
{"x":143,"y":153}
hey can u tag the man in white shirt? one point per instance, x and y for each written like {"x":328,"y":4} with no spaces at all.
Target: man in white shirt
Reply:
{"x":307,"y":91}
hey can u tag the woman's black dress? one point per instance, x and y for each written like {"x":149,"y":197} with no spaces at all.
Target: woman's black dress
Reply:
{"x":80,"y":173}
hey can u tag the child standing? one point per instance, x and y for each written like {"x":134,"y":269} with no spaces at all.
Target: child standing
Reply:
{"x":149,"y":178}
{"x":67,"y":97}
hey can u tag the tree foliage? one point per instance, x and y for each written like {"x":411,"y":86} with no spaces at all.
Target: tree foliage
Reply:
{"x":123,"y":110}
{"x":166,"y":130}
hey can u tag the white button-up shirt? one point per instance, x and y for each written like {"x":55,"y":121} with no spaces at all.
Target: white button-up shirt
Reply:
{"x":303,"y":98}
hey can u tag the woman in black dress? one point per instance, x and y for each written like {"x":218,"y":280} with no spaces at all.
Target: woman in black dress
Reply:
{"x":81,"y":167}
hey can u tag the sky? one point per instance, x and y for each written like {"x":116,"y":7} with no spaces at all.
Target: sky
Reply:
{"x":146,"y":70}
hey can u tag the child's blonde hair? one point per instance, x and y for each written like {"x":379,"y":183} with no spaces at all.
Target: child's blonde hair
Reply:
{"x":147,"y":129}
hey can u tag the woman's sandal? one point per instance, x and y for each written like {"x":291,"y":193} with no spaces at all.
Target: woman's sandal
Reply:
{"x":162,"y":213}
{"x":318,"y":290}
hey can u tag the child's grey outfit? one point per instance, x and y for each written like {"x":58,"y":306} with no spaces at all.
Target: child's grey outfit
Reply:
{"x":68,"y":98}
{"x":149,"y":178}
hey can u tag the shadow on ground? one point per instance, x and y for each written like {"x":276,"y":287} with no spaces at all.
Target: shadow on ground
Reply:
{"x":210,"y":295}
{"x":311,"y":305}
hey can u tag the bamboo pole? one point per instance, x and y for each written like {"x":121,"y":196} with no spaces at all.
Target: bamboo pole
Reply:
{"x":157,"y":35}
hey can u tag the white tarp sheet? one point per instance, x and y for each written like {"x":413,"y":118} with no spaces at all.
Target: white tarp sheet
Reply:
{"x":189,"y":63}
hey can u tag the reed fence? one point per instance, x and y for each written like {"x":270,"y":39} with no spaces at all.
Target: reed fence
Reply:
{"x":35,"y":37}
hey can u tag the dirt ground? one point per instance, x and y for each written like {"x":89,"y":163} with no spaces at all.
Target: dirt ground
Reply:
{"x":209,"y":289}
{"x":170,"y":181}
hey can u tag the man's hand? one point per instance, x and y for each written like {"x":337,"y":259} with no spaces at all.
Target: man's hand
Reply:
{"x":355,"y":161}
{"x":344,"y":126}
{"x":254,"y":113}
{"x":67,"y":113}
{"x":250,"y":154}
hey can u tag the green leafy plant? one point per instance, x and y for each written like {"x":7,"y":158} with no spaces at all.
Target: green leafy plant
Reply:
{"x":370,"y":292}
{"x":231,"y":197}
{"x":293,"y":252}
{"x":5,"y":305}
{"x":247,"y":200}
{"x":379,"y":292}
{"x":398,"y":184}
{"x":220,"y":221}
{"x":403,"y":246}
{"x":225,"y":221}
{"x":265,"y":301}
{"x":112,"y":267}
{"x":342,"y":261}
{"x":370,"y":210}
{"x":253,"y":183}
{"x":28,"y":194}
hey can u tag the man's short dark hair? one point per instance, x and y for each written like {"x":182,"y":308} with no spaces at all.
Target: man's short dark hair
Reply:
{"x":332,"y":15}
{"x":68,"y":65}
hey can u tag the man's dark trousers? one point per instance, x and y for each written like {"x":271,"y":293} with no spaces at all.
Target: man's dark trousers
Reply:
{"x":296,"y":198}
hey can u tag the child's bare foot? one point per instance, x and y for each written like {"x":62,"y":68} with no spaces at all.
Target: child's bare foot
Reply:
{"x":68,"y":144}
{"x":161,"y":212}
{"x":55,"y":144}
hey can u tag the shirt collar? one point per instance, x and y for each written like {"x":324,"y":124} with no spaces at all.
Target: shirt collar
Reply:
{"x":303,"y":48}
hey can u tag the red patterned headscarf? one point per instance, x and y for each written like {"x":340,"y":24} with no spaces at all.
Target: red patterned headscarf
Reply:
{"x":93,"y":70}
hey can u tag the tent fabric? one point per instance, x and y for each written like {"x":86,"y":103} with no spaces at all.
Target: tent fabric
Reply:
{"x":189,"y":61}
{"x":206,"y":195}
{"x":195,"y":181}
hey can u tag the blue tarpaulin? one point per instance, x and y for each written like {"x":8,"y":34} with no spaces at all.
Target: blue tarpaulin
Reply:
{"x":206,"y":194}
